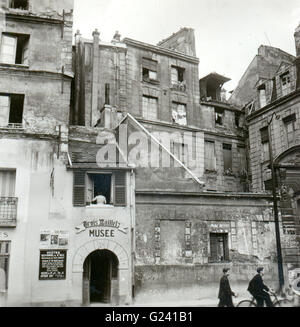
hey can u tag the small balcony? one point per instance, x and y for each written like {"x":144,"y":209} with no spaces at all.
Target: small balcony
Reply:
{"x":8,"y":212}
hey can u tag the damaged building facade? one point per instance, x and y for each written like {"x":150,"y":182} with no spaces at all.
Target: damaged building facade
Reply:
{"x":123,"y":177}
{"x":272,"y":114}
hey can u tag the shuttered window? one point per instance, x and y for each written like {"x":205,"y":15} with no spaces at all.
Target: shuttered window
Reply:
{"x":210,"y":156}
{"x":79,"y":189}
{"x":7,"y":183}
{"x":120,"y":189}
{"x":87,"y":185}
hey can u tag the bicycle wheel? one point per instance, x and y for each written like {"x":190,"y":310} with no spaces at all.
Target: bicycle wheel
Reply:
{"x":246,"y":304}
{"x":284,"y":303}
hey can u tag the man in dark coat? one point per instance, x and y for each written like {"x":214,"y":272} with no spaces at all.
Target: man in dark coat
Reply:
{"x":259,"y":290}
{"x":225,"y":292}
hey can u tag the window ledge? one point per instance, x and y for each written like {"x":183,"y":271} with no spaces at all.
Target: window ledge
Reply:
{"x":95,"y":206}
{"x":3,"y":64}
{"x":151,"y":81}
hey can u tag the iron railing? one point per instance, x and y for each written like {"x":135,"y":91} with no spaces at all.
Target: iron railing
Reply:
{"x":8,"y":211}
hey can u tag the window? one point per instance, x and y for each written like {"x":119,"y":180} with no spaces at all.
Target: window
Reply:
{"x":180,"y":151}
{"x":262,"y":96}
{"x":227,"y":157}
{"x":11,"y":110}
{"x":285,"y":83}
{"x":14,"y":49}
{"x":265,"y":144}
{"x":179,"y":113}
{"x":290,"y":128}
{"x":219,"y":116}
{"x":19,"y":4}
{"x":7,"y":183}
{"x":149,"y":70}
{"x":177,"y":75}
{"x":219,"y":247}
{"x":210,"y":156}
{"x":91,"y":188}
{"x":4,"y":265}
{"x":150,"y":108}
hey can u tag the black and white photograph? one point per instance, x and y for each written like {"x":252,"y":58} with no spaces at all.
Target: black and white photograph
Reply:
{"x":149,"y":156}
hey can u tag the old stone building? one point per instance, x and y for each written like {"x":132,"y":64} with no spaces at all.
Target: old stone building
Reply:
{"x":123,"y":176}
{"x":273,"y":105}
{"x":194,"y":211}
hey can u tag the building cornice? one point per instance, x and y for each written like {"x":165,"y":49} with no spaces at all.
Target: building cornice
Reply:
{"x":29,"y":18}
{"x":189,"y":129}
{"x":221,"y":105}
{"x":205,"y":194}
{"x":161,"y":50}
{"x":18,"y":70}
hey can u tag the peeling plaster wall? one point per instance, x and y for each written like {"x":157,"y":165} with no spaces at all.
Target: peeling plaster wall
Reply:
{"x":251,"y":241}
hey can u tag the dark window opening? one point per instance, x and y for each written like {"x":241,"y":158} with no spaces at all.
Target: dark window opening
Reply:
{"x":99,"y":186}
{"x":219,"y":251}
{"x":16,"y":109}
{"x":149,"y":70}
{"x":237,"y":117}
{"x":268,"y":185}
{"x":264,"y":133}
{"x":227,"y":155}
{"x":19,"y":4}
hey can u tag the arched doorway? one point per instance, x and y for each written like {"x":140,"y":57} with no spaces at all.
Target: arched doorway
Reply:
{"x":100,"y":277}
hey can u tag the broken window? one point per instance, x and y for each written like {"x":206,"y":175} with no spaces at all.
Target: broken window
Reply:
{"x":285,"y":83}
{"x":177,"y":74}
{"x":180,"y":151}
{"x":219,"y":251}
{"x":14,"y":49}
{"x":4,"y":263}
{"x":227,"y":157}
{"x":290,"y":128}
{"x":91,"y":188}
{"x":150,"y":107}
{"x":19,"y":4}
{"x":179,"y":113}
{"x":219,"y":116}
{"x":262,"y":95}
{"x":11,"y":110}
{"x":264,"y":133}
{"x":210,"y":156}
{"x":149,"y":70}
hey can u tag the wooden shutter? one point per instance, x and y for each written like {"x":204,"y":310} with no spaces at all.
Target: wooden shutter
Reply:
{"x":213,"y":247}
{"x":227,"y":155}
{"x":120,"y":189}
{"x":79,"y":188}
{"x":4,"y":110}
{"x":226,"y":248}
{"x":8,"y":49}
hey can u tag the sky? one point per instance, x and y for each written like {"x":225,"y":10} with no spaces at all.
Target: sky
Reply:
{"x":227,"y":32}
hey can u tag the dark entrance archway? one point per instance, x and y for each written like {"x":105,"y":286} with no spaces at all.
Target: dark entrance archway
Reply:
{"x":100,"y":277}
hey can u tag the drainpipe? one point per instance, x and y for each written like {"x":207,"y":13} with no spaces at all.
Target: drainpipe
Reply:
{"x":275,"y":207}
{"x":77,"y":79}
{"x":95,"y":79}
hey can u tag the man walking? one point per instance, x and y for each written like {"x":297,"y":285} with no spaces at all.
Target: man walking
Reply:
{"x":225,"y":292}
{"x":259,"y":290}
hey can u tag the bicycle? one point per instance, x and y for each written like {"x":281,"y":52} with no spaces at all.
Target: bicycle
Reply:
{"x":283,"y":302}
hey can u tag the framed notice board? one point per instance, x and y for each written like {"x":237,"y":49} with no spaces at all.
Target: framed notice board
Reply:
{"x":52,"y":264}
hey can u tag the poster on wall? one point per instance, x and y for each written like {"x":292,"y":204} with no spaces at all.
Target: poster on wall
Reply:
{"x":52,"y":264}
{"x":50,"y":239}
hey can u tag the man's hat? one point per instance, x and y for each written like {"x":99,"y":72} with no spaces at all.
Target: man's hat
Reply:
{"x":225,"y":270}
{"x":259,"y":269}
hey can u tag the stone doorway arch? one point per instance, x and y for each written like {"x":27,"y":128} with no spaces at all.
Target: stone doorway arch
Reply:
{"x":124,"y":267}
